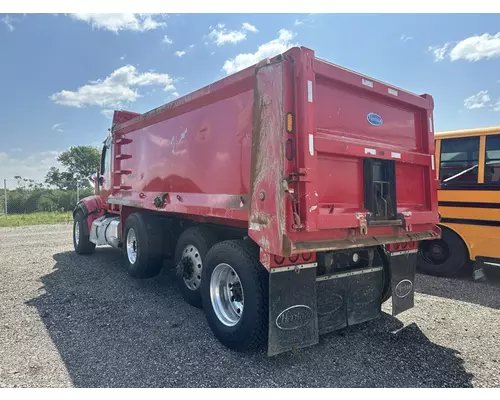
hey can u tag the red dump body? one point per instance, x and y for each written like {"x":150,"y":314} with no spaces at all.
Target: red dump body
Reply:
{"x":230,"y":154}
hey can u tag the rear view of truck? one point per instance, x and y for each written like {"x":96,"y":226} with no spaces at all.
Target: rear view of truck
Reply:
{"x":314,"y":226}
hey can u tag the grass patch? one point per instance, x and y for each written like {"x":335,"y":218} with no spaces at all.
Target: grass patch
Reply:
{"x":39,"y":218}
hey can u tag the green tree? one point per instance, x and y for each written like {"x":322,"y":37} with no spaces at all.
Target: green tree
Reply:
{"x":61,"y":179}
{"x":79,"y":162}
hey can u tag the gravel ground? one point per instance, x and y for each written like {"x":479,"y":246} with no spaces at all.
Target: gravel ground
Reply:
{"x":68,"y":320}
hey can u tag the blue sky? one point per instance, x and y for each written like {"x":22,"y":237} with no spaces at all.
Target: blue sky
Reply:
{"x":60,"y":75}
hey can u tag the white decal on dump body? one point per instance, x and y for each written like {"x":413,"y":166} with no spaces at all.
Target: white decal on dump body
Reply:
{"x":432,"y":162}
{"x":366,"y":82}
{"x":392,"y":91}
{"x":311,"y":144}
{"x":313,"y":208}
{"x":373,"y":152}
{"x":395,"y":155}
{"x":431,"y":126}
{"x":309,"y":91}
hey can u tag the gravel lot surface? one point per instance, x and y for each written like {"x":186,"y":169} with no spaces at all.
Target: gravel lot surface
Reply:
{"x":69,"y":320}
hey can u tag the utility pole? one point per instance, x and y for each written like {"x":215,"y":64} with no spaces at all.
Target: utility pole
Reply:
{"x":77,"y":191}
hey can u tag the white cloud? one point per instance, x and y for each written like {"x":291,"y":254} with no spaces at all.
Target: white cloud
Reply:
{"x":180,"y":53}
{"x":57,"y":128}
{"x":122,"y":57}
{"x":474,"y":48}
{"x":108,"y":113}
{"x":8,"y":21}
{"x":34,"y":166}
{"x":220,"y":35}
{"x":405,"y":38}
{"x":114,"y":90}
{"x":120,"y":22}
{"x":306,"y":21}
{"x":166,"y":40}
{"x":439,"y":52}
{"x":249,"y":27}
{"x":478,"y":100}
{"x":266,"y":50}
{"x":497,"y":106}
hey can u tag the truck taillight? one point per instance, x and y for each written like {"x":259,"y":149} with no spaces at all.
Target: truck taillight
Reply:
{"x":295,"y":259}
{"x":289,"y":122}
{"x":405,"y":246}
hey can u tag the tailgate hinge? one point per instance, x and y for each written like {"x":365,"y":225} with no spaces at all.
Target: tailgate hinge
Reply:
{"x":290,"y":192}
{"x":363,"y":228}
{"x":407,"y":220}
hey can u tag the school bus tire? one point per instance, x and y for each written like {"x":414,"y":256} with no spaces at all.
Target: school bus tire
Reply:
{"x":444,"y":257}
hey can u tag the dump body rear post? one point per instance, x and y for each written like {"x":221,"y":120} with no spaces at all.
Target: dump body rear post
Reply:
{"x":291,"y":196}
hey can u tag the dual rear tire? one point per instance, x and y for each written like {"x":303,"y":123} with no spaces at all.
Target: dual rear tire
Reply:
{"x":225,"y":278}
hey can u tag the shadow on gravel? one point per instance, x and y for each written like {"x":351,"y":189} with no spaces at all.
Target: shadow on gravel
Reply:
{"x":486,"y":294}
{"x":111,"y":330}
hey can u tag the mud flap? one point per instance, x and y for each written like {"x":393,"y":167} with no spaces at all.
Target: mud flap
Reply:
{"x":293,"y":317}
{"x":403,"y":266}
{"x":349,"y":298}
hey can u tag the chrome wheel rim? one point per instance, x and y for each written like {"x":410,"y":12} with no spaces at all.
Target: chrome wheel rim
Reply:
{"x":226,"y":294}
{"x":77,"y":232}
{"x":192,"y":267}
{"x":131,"y":246}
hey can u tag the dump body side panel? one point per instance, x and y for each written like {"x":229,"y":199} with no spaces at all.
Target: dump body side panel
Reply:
{"x":194,"y":155}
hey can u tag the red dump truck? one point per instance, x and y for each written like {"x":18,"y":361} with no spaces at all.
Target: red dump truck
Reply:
{"x":291,"y":196}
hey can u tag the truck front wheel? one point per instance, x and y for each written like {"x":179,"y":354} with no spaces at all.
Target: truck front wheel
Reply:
{"x":142,"y":245}
{"x":81,"y":241}
{"x":234,"y":293}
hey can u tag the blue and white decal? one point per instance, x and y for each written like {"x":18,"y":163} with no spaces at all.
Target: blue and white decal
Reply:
{"x":374,"y":119}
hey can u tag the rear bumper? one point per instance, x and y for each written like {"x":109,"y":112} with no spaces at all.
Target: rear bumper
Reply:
{"x":365,"y":241}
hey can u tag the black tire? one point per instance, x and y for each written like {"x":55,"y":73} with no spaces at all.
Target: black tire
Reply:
{"x":444,"y":257}
{"x":201,"y":240}
{"x":148,"y":244}
{"x":84,"y":245}
{"x":250,"y":332}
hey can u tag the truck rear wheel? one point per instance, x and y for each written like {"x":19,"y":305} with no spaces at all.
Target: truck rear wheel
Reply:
{"x":191,"y":251}
{"x":443,"y":257}
{"x":234,"y":293}
{"x":81,"y":241}
{"x":142,"y":245}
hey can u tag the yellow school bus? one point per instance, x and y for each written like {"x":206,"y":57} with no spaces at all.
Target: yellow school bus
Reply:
{"x":468,"y":167}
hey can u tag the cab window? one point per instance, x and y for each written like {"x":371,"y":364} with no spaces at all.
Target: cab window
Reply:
{"x":492,"y":159}
{"x":106,"y":157}
{"x":459,"y":160}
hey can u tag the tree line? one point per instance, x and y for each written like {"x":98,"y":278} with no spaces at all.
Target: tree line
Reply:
{"x":61,"y":188}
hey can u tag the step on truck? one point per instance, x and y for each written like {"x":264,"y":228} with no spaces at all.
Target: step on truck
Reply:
{"x":291,"y":196}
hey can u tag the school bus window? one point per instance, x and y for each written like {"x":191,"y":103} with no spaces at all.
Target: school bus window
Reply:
{"x":492,"y":159}
{"x":459,"y":160}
